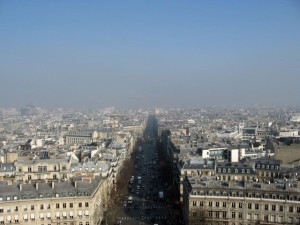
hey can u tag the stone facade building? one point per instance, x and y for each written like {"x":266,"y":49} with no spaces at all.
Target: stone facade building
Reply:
{"x":66,"y":203}
{"x":240,"y":202}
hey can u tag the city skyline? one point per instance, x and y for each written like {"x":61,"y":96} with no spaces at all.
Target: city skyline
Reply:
{"x":144,"y":54}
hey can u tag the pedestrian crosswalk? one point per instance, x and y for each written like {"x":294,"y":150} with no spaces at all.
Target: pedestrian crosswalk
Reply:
{"x":142,"y":217}
{"x":145,"y":207}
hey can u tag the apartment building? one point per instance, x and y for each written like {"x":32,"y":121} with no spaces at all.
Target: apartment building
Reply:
{"x":79,"y":137}
{"x":196,"y":168}
{"x":34,"y":170}
{"x":240,"y":203}
{"x":66,"y":203}
{"x":227,"y":171}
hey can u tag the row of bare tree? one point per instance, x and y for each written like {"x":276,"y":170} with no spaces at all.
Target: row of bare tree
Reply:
{"x":119,"y":191}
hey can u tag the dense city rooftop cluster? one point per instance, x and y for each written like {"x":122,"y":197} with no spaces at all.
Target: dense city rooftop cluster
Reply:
{"x":238,"y":153}
{"x":69,"y":157}
{"x":60,"y":156}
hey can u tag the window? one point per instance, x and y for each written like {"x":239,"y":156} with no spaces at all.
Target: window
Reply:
{"x":224,"y":204}
{"x":64,"y":205}
{"x":240,"y":205}
{"x":266,"y":207}
{"x":201,"y":203}
{"x":291,"y":209}
{"x":16,"y":209}
{"x":217,"y":215}
{"x":233,"y":205}
{"x":48,"y":206}
{"x":194,"y":203}
{"x":42,"y":206}
{"x":249,"y":216}
{"x":224,"y":215}
{"x":79,"y":204}
{"x":87,"y":223}
{"x":240,"y":215}
{"x":298,"y":209}
{"x":281,"y":208}
{"x":210,"y":204}
{"x":71,"y":205}
{"x":249,"y":205}
{"x":256,"y":206}
{"x":32,"y":207}
{"x":266,"y":218}
{"x":29,"y":168}
{"x":217,"y":204}
{"x":233,"y":215}
{"x":266,"y":196}
{"x":57,"y":205}
{"x":273,"y":207}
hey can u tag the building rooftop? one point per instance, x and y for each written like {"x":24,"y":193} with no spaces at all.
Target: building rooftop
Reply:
{"x":287,"y":186}
{"x":48,"y":190}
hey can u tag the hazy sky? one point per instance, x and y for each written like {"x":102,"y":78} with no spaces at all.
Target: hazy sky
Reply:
{"x":149,"y":53}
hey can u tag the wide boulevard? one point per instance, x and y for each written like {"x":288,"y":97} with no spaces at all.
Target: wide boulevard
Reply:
{"x":146,"y":188}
